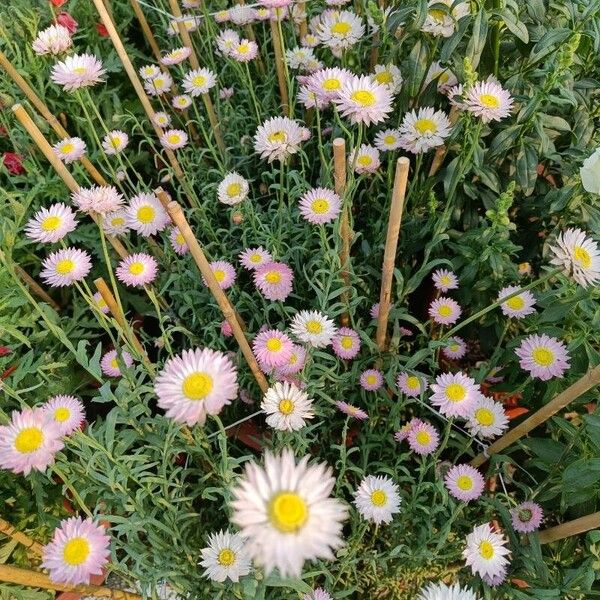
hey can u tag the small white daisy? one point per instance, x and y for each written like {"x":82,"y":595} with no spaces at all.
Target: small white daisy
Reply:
{"x":489,"y":101}
{"x":115,"y":141}
{"x":339,"y":29}
{"x":287,"y":407}
{"x":146,"y":215}
{"x":424,"y":129}
{"x":487,"y":418}
{"x":387,"y":140}
{"x":159,"y":85}
{"x":365,"y":159}
{"x":578,"y":255}
{"x":173,"y":139}
{"x":313,"y":328}
{"x":377,"y":499}
{"x":65,"y":267}
{"x":277,"y":138}
{"x":115,"y":223}
{"x":518,"y":306}
{"x":363,"y":100}
{"x":233,"y":189}
{"x":181,"y":102}
{"x":388,"y":75}
{"x":149,"y":72}
{"x":225,"y":557}
{"x":455,"y":394}
{"x":52,"y":224}
{"x":54,"y":40}
{"x":444,"y":280}
{"x":161,"y":119}
{"x":486,"y":551}
{"x":174,"y":57}
{"x":199,"y":81}
{"x":69,"y":149}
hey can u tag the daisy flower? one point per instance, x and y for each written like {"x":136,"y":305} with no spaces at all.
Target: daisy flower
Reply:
{"x":287,"y":407}
{"x":77,"y":71}
{"x":339,"y":29}
{"x":351,"y":411}
{"x":410,"y":385}
{"x":441,"y":591}
{"x":161,"y":119}
{"x":181,"y":102}
{"x":488,"y":419}
{"x":277,"y":138}
{"x":158,"y":85}
{"x":578,"y":255}
{"x":318,"y":594}
{"x":364,"y":100}
{"x":274,"y":280}
{"x":199,"y":81}
{"x":423,"y":438}
{"x":233,"y":189}
{"x":326,"y":84}
{"x":78,"y":550}
{"x":444,"y":77}
{"x":55,"y":39}
{"x":240,"y":14}
{"x":527,"y":517}
{"x":224,"y":273}
{"x":524,"y":269}
{"x":98,"y":199}
{"x":444,"y":280}
{"x":272,"y":348}
{"x":485,"y":551}
{"x":371,"y":380}
{"x":173,"y":139}
{"x":298,"y":57}
{"x":295,"y":363}
{"x":543,"y":356}
{"x":388,"y":75}
{"x":320,"y":205}
{"x":176,"y":56}
{"x":252,"y":258}
{"x":64,"y":267}
{"x":222,"y":16}
{"x":374,"y":311}
{"x":456,"y":348}
{"x":137,"y":269}
{"x":115,"y":223}
{"x":226,"y":93}
{"x":365,"y":160}
{"x":286,"y":513}
{"x":66,"y":411}
{"x":149,"y":72}
{"x":346,"y":343}
{"x":489,"y":101}
{"x":245,"y":51}
{"x":445,"y":311}
{"x":110,"y":364}
{"x":115,"y":141}
{"x":196,"y":383}
{"x":313,"y":327}
{"x":29,"y":442}
{"x":225,"y":557}
{"x":454,"y":394}
{"x":226,"y":329}
{"x":146,"y":215}
{"x":69,"y":149}
{"x":310,"y":40}
{"x":464,"y":482}
{"x":178,"y":241}
{"x":387,"y":140}
{"x":424,"y":129}
{"x":518,"y":306}
{"x":444,"y":22}
{"x":226,"y":41}
{"x":52,"y":224}
{"x":100,"y":303}
{"x":377,"y":499}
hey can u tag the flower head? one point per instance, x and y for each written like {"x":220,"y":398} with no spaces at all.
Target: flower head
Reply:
{"x":364,"y":100}
{"x":295,"y":363}
{"x":115,"y":223}
{"x":527,"y":517}
{"x":441,"y":591}
{"x":98,"y":199}
{"x":55,"y":39}
{"x":445,"y":311}
{"x":443,"y":76}
{"x":485,"y":551}
{"x":324,"y":85}
{"x":178,"y":241}
{"x":252,"y":258}
{"x":424,"y":129}
{"x":464,"y":482}
{"x":444,"y":280}
{"x":543,"y":356}
{"x":277,"y":138}
{"x":244,"y":51}
{"x":199,"y":81}
{"x":339,"y":29}
{"x":159,"y":84}
{"x":272,"y":348}
{"x":225,"y":557}
{"x":69,"y":149}
{"x":233,"y":189}
{"x":274,"y":280}
{"x":455,"y":395}
{"x":456,"y":348}
{"x":111,"y":362}
{"x":146,"y":215}
{"x":313,"y":328}
{"x":224,"y":273}
{"x":410,"y":385}
{"x":137,"y":269}
{"x":365,"y":159}
{"x":65,"y":267}
{"x":161,"y":119}
{"x":371,"y":380}
{"x":487,"y":419}
{"x":351,"y":411}
{"x":518,"y":306}
{"x":578,"y":255}
{"x":51,"y":224}
{"x":318,"y":594}
{"x":149,"y":72}
{"x":226,"y":41}
{"x":443,"y":22}
{"x":489,"y":101}
{"x":320,"y":205}
{"x":423,"y":438}
{"x":66,"y":411}
{"x":176,"y":56}
{"x":100,"y":304}
{"x":173,"y":139}
{"x":387,"y":140}
{"x":346,"y":343}
{"x":115,"y":141}
{"x":377,"y":499}
{"x":77,"y":71}
{"x":287,"y":407}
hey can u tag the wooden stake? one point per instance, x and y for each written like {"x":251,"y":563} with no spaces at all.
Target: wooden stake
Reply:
{"x":141,"y":17}
{"x":391,"y":245}
{"x":43,"y":144}
{"x":339,"y":179}
{"x":36,"y":288}
{"x":582,"y":385}
{"x":10,"y":574}
{"x":7,"y":529}
{"x":279,"y":65}
{"x":184,"y":34}
{"x":570,"y":528}
{"x":176,"y":214}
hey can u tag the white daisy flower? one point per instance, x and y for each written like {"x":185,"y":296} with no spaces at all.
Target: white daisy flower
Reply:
{"x":66,"y":411}
{"x":325,"y":85}
{"x":313,"y":328}
{"x":286,"y":513}
{"x":377,"y":499}
{"x":240,"y":14}
{"x":174,"y":57}
{"x":485,"y":552}
{"x":424,"y":129}
{"x":287,"y":407}
{"x":115,"y":223}
{"x":98,"y":199}
{"x":199,"y":81}
{"x":443,"y":76}
{"x":69,"y":149}
{"x":444,"y":22}
{"x":277,"y":138}
{"x":181,"y":101}
{"x":455,"y":394}
{"x":363,"y":100}
{"x":146,"y":215}
{"x":173,"y":139}
{"x":159,"y":85}
{"x":50,"y":225}
{"x":489,"y":101}
{"x":518,"y":306}
{"x":54,"y":40}
{"x":298,"y":57}
{"x":387,"y":140}
{"x":487,"y":419}
{"x":578,"y":255}
{"x":161,"y":119}
{"x":77,"y":71}
{"x":441,"y":591}
{"x":339,"y":29}
{"x":149,"y":72}
{"x":65,"y":267}
{"x":444,"y":280}
{"x":115,"y":141}
{"x":233,"y":189}
{"x":225,"y":557}
{"x":388,"y":75}
{"x":365,"y":159}
{"x":226,"y":41}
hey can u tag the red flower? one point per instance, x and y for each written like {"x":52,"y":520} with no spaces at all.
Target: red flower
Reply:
{"x":66,"y":20}
{"x":4,"y":350}
{"x":58,"y":3}
{"x":101,"y":29}
{"x":14,"y":163}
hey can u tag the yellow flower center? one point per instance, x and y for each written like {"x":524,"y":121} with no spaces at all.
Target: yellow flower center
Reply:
{"x":197,"y":386}
{"x":243,"y":48}
{"x":277,"y":136}
{"x":115,"y":142}
{"x":423,"y":438}
{"x":255,"y":258}
{"x":101,"y":303}
{"x":233,"y":189}
{"x":158,"y":82}
{"x":516,"y":303}
{"x":273,"y":277}
{"x":226,"y":557}
{"x":114,"y":364}
{"x":320,"y":206}
{"x":364,"y":97}
{"x":76,"y":551}
{"x":62,"y":414}
{"x":51,"y":223}
{"x":341,"y":28}
{"x":384,"y":77}
{"x":413,"y":382}
{"x":65,"y":266}
{"x":454,"y":347}
{"x":314,"y":327}
{"x":378,"y":498}
{"x":67,"y":148}
{"x":543,"y":356}
{"x":146,"y":214}
{"x":79,"y":70}
{"x":219,"y":275}
{"x":582,"y":257}
{"x":365,"y":160}
{"x":173,"y":138}
{"x":445,"y":280}
{"x":389,"y":139}
{"x":484,"y":416}
{"x":489,"y":101}
{"x":293,"y":359}
{"x":523,"y":267}
{"x":180,"y":239}
{"x":437,"y":14}
{"x":455,"y":392}
{"x":29,"y":440}
{"x":371,"y":379}
{"x":443,"y":77}
{"x":274,"y":344}
{"x":286,"y":407}
{"x":331,"y":84}
{"x":117,"y":221}
{"x":465,"y":483}
{"x":444,"y":310}
{"x":424,"y":126}
{"x":182,"y":101}
{"x":486,"y":550}
{"x":136,"y":268}
{"x":288,"y":512}
{"x":346,"y":342}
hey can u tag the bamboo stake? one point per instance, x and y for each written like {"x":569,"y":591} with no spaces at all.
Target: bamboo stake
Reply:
{"x":279,"y":64}
{"x":43,"y":110}
{"x":582,"y":385}
{"x":43,"y":144}
{"x":184,"y":34}
{"x":339,"y":179}
{"x":391,"y":246}
{"x":10,"y":574}
{"x":141,"y":17}
{"x":570,"y":528}
{"x":7,"y":529}
{"x":176,"y":213}
{"x":36,"y":288}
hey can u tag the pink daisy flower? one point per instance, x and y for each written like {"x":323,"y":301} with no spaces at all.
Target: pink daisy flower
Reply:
{"x":29,"y":442}
{"x":146,"y":215}
{"x":455,"y":394}
{"x":527,"y":517}
{"x":346,"y":343}
{"x":295,"y":362}
{"x":51,"y":224}
{"x":351,"y":411}
{"x":272,"y":349}
{"x":173,"y":139}
{"x":252,"y":258}
{"x":197,"y":383}
{"x":98,"y":199}
{"x":77,"y":71}
{"x":445,"y":311}
{"x":66,"y":411}
{"x":110,"y":362}
{"x":518,"y":306}
{"x":464,"y":482}
{"x":423,"y":438}
{"x":444,"y":280}
{"x":365,"y":160}
{"x":543,"y":356}
{"x":320,"y":205}
{"x":371,"y":380}
{"x":226,"y":329}
{"x":277,"y":138}
{"x":178,"y":241}
{"x":274,"y":280}
{"x":374,"y":311}
{"x":65,"y":267}
{"x":363,"y":100}
{"x":324,"y":85}
{"x":137,"y":269}
{"x":456,"y":348}
{"x":224,"y":273}
{"x":410,"y":385}
{"x":318,"y":594}
{"x":402,"y":433}
{"x":244,"y":51}
{"x":100,"y":303}
{"x":78,"y":550}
